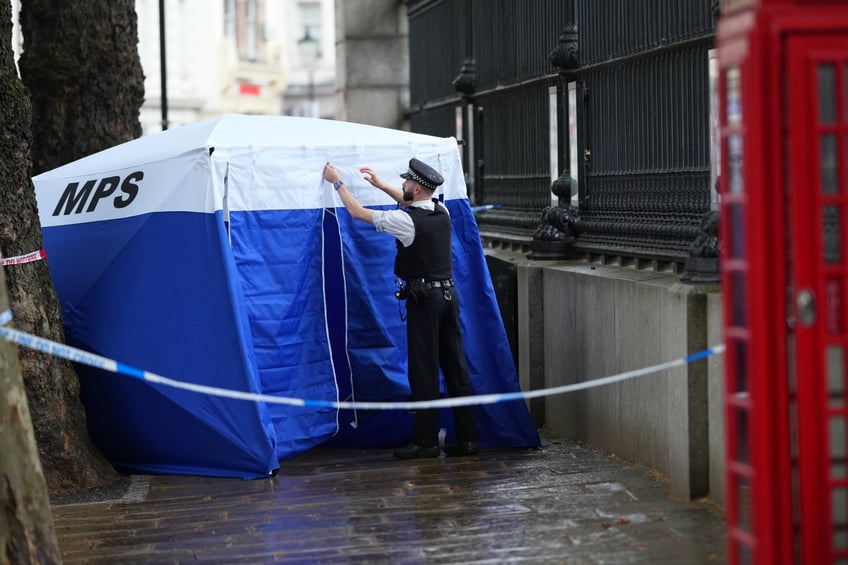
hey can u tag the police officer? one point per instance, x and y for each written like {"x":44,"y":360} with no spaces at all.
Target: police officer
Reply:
{"x":422,"y":228}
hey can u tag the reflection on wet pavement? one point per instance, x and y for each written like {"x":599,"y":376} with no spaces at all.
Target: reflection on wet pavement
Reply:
{"x":560,"y":504}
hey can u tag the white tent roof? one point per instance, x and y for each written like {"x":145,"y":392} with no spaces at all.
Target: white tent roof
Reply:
{"x":270,"y":162}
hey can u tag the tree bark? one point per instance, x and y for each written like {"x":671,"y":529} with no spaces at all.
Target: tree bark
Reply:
{"x":81,"y":65}
{"x":26,"y":525}
{"x":80,"y":61}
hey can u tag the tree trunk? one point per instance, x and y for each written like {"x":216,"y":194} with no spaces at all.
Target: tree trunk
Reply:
{"x":26,"y":526}
{"x":81,"y":65}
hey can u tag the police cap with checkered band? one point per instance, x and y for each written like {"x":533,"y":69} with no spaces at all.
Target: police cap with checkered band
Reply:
{"x":423,"y":174}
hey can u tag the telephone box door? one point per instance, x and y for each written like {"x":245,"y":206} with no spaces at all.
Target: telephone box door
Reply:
{"x":817,"y":187}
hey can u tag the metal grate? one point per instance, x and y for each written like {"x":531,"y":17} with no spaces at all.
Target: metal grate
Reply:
{"x":610,"y":29}
{"x":438,"y":31}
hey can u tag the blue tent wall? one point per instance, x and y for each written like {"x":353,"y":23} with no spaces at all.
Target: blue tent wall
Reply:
{"x":159,"y":291}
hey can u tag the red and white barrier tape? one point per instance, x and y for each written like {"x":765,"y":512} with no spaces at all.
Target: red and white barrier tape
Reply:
{"x":20,"y":259}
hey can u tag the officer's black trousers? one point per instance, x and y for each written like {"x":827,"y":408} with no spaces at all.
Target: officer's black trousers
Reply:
{"x":434,"y":340}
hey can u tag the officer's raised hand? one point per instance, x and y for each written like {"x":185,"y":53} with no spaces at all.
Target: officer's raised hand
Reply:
{"x":372,"y":178}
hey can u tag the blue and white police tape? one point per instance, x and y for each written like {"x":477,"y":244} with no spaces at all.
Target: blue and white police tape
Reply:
{"x":484,"y":207}
{"x":79,"y":356}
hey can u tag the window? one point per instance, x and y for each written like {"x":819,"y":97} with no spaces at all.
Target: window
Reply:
{"x":244,"y":22}
{"x":310,"y":37}
{"x":229,"y":18}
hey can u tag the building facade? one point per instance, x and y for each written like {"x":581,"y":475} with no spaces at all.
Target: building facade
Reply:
{"x":373,"y":70}
{"x":235,"y":56}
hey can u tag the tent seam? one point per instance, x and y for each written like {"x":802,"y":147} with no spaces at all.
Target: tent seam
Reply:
{"x":355,"y":422}
{"x":326,"y":319}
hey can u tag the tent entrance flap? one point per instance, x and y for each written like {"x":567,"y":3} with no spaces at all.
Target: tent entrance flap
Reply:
{"x":286,"y":312}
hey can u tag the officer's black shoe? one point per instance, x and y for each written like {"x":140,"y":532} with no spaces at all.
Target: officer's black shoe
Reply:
{"x":462,"y":448}
{"x":413,"y":451}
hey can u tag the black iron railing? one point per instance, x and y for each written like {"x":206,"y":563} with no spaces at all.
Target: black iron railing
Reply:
{"x":642,"y":136}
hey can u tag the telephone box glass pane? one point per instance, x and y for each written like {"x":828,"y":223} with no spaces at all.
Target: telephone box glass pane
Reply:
{"x":733,"y":91}
{"x":737,"y":231}
{"x":828,"y":164}
{"x":835,"y":376}
{"x":837,"y":447}
{"x":827,"y":93}
{"x":740,"y":300}
{"x":743,"y":442}
{"x":734,"y":163}
{"x":743,"y":497}
{"x":744,"y":554}
{"x":732,"y":146}
{"x":839,"y":515}
{"x":845,"y":92}
{"x":830,"y":234}
{"x":834,"y":322}
{"x":741,"y":371}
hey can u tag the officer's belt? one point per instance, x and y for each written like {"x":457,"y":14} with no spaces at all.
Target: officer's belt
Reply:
{"x":423,"y":284}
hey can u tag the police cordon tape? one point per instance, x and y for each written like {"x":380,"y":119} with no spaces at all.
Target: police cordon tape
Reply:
{"x":80,"y":356}
{"x":21,"y":259}
{"x":483,"y":207}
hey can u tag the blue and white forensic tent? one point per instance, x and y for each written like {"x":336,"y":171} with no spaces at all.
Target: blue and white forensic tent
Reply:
{"x":215,"y":254}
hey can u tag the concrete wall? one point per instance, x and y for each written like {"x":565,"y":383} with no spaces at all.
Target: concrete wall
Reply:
{"x":372,"y":57}
{"x":578,"y":322}
{"x":715,"y":366}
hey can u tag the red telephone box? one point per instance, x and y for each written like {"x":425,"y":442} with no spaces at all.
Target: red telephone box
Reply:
{"x":783,"y":92}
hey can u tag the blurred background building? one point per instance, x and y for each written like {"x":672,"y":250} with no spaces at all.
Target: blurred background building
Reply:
{"x":266,"y":57}
{"x":311,"y":89}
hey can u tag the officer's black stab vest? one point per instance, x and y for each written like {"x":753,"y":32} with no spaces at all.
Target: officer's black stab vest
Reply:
{"x":429,"y":256}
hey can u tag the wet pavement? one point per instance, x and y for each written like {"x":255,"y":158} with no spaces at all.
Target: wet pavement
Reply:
{"x":562,"y":503}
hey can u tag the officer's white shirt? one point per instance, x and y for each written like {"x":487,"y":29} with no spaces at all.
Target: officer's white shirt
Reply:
{"x":399,"y":223}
